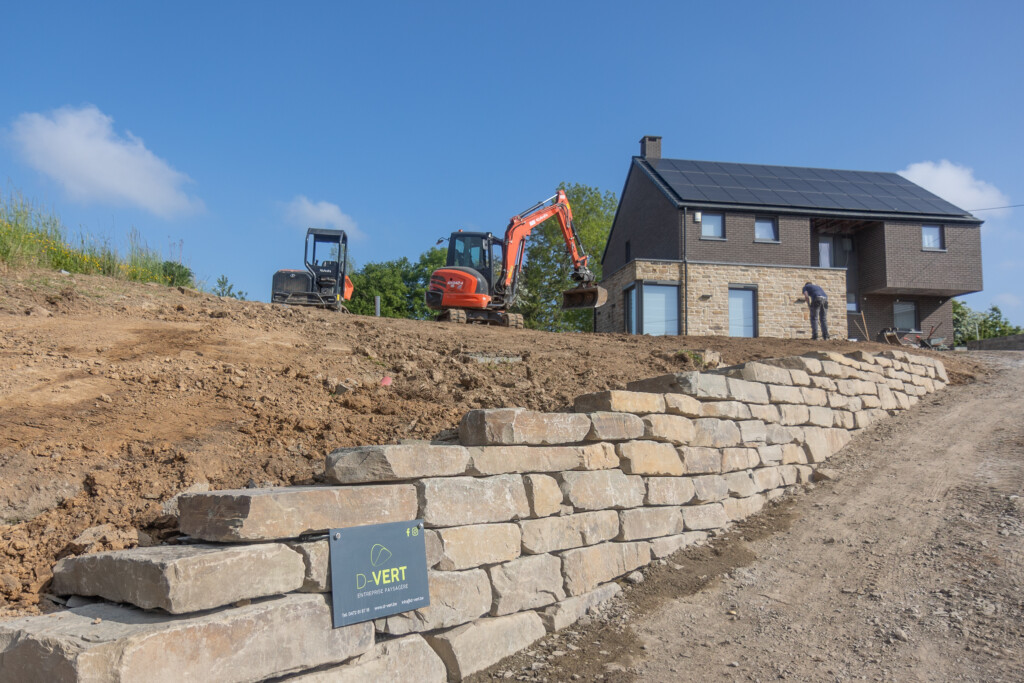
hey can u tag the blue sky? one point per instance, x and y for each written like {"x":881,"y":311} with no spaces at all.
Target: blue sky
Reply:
{"x":228,"y":127}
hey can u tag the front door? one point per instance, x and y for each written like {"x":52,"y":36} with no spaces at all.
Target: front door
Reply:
{"x":742,"y":312}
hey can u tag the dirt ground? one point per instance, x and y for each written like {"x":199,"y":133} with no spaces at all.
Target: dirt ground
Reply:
{"x":907,"y":566}
{"x":116,"y":396}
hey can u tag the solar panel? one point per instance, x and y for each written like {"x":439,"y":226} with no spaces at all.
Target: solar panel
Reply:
{"x":798,"y":187}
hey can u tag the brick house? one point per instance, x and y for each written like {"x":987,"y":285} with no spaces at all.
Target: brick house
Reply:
{"x":705,"y":248}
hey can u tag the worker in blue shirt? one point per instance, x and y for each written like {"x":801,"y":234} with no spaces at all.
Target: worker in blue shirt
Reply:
{"x":817,"y":300}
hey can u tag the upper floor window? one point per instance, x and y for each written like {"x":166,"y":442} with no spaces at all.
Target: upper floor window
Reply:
{"x":766,"y":230}
{"x":712,"y":225}
{"x":932,"y":237}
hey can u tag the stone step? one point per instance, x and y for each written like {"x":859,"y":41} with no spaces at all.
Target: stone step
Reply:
{"x":182,"y":578}
{"x":281,"y":513}
{"x":106,"y":642}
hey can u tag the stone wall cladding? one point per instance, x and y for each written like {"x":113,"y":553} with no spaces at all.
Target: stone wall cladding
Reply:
{"x":524,"y":535}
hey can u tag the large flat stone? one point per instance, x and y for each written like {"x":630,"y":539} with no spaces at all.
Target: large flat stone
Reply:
{"x":642,"y":523}
{"x":714,"y":433}
{"x":670,"y":428}
{"x":587,"y":568}
{"x":568,"y":611}
{"x":669,"y":490}
{"x":106,"y":642}
{"x":739,"y":484}
{"x":747,"y":392}
{"x":488,"y":460}
{"x":367,"y":464}
{"x":572,"y":531}
{"x":458,"y":501}
{"x":527,"y":583}
{"x":650,"y":457}
{"x":182,"y":578}
{"x":455,"y":598}
{"x":703,"y":517}
{"x":760,"y":372}
{"x":290,"y":512}
{"x":742,"y":458}
{"x":710,"y":488}
{"x":602,"y":490}
{"x":464,"y":547}
{"x":681,"y":404}
{"x":392,"y":660}
{"x":514,"y":426}
{"x":640,"y":403}
{"x":608,"y":426}
{"x":727,"y":410}
{"x":474,"y":647}
{"x":697,"y":384}
{"x":701,"y":460}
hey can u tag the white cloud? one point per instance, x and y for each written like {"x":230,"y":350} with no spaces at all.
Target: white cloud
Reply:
{"x":80,"y":149}
{"x":957,"y":184}
{"x":306,"y":214}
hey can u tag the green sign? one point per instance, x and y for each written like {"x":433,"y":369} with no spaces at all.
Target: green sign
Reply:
{"x":378,"y":570}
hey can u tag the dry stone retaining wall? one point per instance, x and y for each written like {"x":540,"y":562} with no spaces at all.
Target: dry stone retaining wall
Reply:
{"x":530,"y":520}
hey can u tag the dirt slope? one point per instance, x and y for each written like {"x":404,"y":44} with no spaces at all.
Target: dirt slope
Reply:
{"x":114,"y":397}
{"x":906,"y":567}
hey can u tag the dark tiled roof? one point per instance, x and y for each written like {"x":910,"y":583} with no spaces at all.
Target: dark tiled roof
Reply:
{"x":822,"y":189}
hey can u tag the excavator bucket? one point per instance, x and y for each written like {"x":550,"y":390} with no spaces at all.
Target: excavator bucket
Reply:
{"x":590,"y":296}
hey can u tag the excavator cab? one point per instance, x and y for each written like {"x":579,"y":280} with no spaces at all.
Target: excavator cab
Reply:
{"x":478,"y":251}
{"x":325,"y":282}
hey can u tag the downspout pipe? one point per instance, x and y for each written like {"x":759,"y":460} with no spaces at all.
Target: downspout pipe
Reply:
{"x":686,"y":280}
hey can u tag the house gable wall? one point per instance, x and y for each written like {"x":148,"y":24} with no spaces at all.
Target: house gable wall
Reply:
{"x":647,"y":219}
{"x":739,"y":246}
{"x":910,"y":268}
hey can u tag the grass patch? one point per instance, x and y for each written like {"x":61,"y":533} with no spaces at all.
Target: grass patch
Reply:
{"x":33,"y":237}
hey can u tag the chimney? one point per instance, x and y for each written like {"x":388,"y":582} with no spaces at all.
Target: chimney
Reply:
{"x":650,"y":147}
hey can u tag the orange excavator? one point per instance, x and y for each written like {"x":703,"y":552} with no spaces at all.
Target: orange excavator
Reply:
{"x":480,"y":280}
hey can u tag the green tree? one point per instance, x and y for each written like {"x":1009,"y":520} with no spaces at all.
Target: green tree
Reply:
{"x":178,"y":275}
{"x":969,"y":324}
{"x":384,"y":280}
{"x":417,"y":278}
{"x":225,"y":288}
{"x":548,"y":267}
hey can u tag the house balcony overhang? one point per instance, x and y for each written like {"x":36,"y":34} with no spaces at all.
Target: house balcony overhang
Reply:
{"x":922,"y":291}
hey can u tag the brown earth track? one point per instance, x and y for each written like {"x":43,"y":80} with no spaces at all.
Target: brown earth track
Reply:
{"x":116,"y":396}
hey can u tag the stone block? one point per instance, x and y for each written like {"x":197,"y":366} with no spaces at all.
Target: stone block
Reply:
{"x":527,"y":583}
{"x":367,"y":464}
{"x":543,"y":494}
{"x":901,"y":399}
{"x":765,"y":413}
{"x":805,"y":473}
{"x":696,"y":384}
{"x":669,"y":490}
{"x":837,"y":401}
{"x":515,"y":426}
{"x":391,"y":660}
{"x":752,"y":431}
{"x":458,"y":501}
{"x":602,"y":490}
{"x":739,"y":484}
{"x":826,"y":383}
{"x":870,"y":401}
{"x":842,"y":418}
{"x":571,"y":531}
{"x":183,"y":578}
{"x":727,"y":410}
{"x":766,"y":478}
{"x":103,"y":641}
{"x":779,"y":434}
{"x":641,"y":523}
{"x":316,"y":561}
{"x":748,"y":392}
{"x":709,"y":488}
{"x":814,"y":397}
{"x":785,"y":394}
{"x":598,"y":456}
{"x":587,"y":568}
{"x":647,"y":457}
{"x":816,"y":445}
{"x":819,"y":416}
{"x":714,"y":433}
{"x":465,"y":547}
{"x":887,"y":400}
{"x":567,"y":612}
{"x":811,"y":366}
{"x":793,"y":414}
{"x":701,"y":460}
{"x":608,"y":426}
{"x":640,"y":403}
{"x":769,"y":455}
{"x":740,"y":458}
{"x":789,"y":475}
{"x":940,"y":371}
{"x":490,"y":460}
{"x":663,"y":547}
{"x":704,"y":517}
{"x":837,"y":439}
{"x":474,"y":647}
{"x":681,"y":404}
{"x":280,"y":513}
{"x":861,"y":419}
{"x":669,"y":428}
{"x":736,"y":509}
{"x":800,"y":378}
{"x":760,"y":372}
{"x":455,"y":598}
{"x":793,"y":454}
